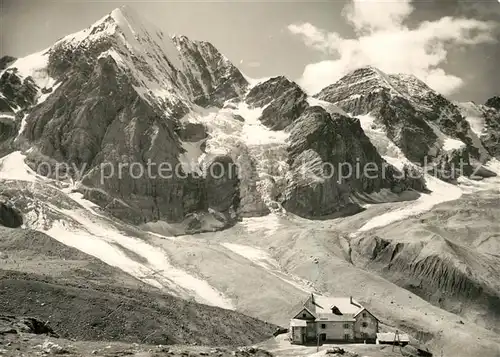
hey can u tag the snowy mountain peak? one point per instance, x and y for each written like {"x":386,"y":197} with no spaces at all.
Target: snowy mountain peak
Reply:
{"x":128,"y":28}
{"x":369,"y":80}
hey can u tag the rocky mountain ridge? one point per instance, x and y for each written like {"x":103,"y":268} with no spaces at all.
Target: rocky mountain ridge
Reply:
{"x":122,"y":93}
{"x":426,"y":126}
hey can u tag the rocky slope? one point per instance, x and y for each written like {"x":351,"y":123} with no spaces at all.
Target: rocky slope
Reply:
{"x":447,"y":256}
{"x":15,"y":345}
{"x":85,"y":299}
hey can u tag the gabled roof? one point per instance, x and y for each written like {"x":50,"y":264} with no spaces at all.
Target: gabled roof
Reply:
{"x":323,"y":305}
{"x":305,"y":308}
{"x":325,"y":308}
{"x":363,"y":309}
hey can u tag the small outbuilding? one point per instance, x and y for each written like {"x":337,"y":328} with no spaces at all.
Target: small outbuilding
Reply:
{"x":392,"y":338}
{"x":298,"y":331}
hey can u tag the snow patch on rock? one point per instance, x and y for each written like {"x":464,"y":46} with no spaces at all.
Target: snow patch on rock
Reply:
{"x":474,"y":116}
{"x":258,"y":256}
{"x":450,"y":144}
{"x":12,"y":167}
{"x":94,"y":235}
{"x":441,"y":192}
{"x":256,"y":133}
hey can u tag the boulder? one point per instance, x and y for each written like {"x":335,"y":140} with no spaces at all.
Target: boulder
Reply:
{"x":10,"y":217}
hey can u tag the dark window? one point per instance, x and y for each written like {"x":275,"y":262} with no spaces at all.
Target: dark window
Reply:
{"x":364,"y":324}
{"x":323,"y":326}
{"x":346,"y":325}
{"x":303,"y":315}
{"x":364,"y":314}
{"x":346,"y":337}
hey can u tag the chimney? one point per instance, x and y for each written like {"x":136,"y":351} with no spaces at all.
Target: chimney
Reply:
{"x":350,"y":299}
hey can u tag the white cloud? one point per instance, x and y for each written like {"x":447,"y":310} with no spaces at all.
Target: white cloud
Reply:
{"x":384,"y":41}
{"x":316,"y":38}
{"x":252,"y":64}
{"x":373,"y":15}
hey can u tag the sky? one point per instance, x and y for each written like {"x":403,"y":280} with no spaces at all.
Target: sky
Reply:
{"x":454,"y":46}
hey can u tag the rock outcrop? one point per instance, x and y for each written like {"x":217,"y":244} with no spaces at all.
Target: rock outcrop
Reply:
{"x":493,"y":102}
{"x":14,"y":325}
{"x":10,"y":217}
{"x":283,"y":102}
{"x":5,"y":61}
{"x":16,"y":92}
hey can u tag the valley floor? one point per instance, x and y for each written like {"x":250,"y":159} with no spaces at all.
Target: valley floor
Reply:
{"x":281,"y":347}
{"x":20,"y":345}
{"x":263,"y":267}
{"x":37,"y":345}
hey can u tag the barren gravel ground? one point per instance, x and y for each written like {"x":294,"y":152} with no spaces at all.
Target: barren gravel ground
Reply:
{"x":85,"y":299}
{"x":266,"y":266}
{"x":36,"y":345}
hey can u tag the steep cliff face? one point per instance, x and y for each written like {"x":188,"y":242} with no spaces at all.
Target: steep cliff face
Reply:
{"x":283,"y":102}
{"x":10,"y":217}
{"x":331,"y":162}
{"x":108,"y":103}
{"x":485,"y":122}
{"x":209,"y":77}
{"x":421,"y":122}
{"x":6,"y":61}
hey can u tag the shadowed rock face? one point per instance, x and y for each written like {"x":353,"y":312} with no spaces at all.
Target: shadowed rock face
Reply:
{"x":321,"y":142}
{"x":5,"y":61}
{"x":222,"y":185}
{"x":491,"y":137}
{"x":96,"y":118}
{"x":8,"y":131}
{"x":97,"y":121}
{"x":284,"y":102}
{"x":30,"y":325}
{"x":10,"y":217}
{"x":493,"y":102}
{"x":209,"y":76}
{"x":17,"y":92}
